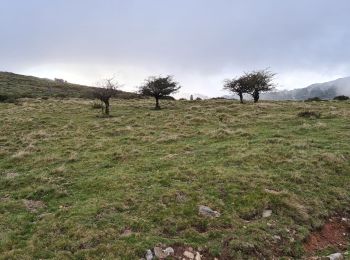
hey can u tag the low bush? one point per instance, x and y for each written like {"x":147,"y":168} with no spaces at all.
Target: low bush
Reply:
{"x":8,"y":98}
{"x":313,"y":99}
{"x":341,"y":98}
{"x":97,"y":105}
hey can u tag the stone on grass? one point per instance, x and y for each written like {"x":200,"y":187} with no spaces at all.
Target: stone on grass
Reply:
{"x":158,"y":252}
{"x":189,"y":254}
{"x":198,"y":256}
{"x":169,"y":251}
{"x":336,"y":256}
{"x":267,"y":213}
{"x":208,"y":212}
{"x":149,"y":255}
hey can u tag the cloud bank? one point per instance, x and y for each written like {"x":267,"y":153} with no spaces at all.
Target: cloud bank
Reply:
{"x":200,"y":42}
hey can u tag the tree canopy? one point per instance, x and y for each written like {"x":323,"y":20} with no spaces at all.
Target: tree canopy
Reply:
{"x":159,"y":87}
{"x":252,"y":83}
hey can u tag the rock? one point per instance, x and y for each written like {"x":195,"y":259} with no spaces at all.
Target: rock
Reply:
{"x":198,"y":256}
{"x":158,"y":252}
{"x":267,"y":213}
{"x":189,"y":254}
{"x":149,"y":255}
{"x":277,"y":237}
{"x":336,"y":256}
{"x":208,"y":212}
{"x":169,"y":251}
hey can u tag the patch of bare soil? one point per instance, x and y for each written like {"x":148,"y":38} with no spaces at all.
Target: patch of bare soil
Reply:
{"x":33,"y":205}
{"x":335,"y":233}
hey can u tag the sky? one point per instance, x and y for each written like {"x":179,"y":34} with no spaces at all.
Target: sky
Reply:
{"x":199,"y":42}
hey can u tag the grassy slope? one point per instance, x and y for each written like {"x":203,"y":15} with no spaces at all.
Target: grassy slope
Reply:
{"x":15,"y":85}
{"x":148,"y":171}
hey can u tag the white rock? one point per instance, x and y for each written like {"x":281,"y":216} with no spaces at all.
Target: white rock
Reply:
{"x":208,"y":212}
{"x":277,"y":237}
{"x":159,"y":253}
{"x":267,"y":213}
{"x":169,"y":251}
{"x":336,"y":256}
{"x":198,"y":256}
{"x":189,"y":254}
{"x":149,"y":255}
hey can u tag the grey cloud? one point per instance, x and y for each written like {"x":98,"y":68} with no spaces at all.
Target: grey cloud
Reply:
{"x":202,"y":37}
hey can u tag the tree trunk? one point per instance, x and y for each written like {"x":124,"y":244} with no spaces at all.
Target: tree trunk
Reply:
{"x":107,"y":108}
{"x":240,"y":94}
{"x":256,"y":96}
{"x":157,"y":103}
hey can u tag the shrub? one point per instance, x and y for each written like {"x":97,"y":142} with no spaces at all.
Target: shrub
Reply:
{"x":61,"y":95}
{"x":97,"y":105}
{"x":3,"y":97}
{"x":313,"y":99}
{"x":340,"y":98}
{"x":8,"y":99}
{"x":309,"y":114}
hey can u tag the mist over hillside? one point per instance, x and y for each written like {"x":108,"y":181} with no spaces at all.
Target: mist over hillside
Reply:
{"x":326,"y":90}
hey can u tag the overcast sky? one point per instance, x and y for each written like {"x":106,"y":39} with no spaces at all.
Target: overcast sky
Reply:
{"x":200,"y":42}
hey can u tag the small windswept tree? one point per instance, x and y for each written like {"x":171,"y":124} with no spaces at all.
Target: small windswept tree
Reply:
{"x":260,"y":81}
{"x":159,"y":87}
{"x":107,"y":89}
{"x":252,"y":83}
{"x":237,"y":86}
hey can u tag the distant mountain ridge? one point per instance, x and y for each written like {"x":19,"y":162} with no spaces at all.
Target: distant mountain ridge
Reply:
{"x":326,"y":90}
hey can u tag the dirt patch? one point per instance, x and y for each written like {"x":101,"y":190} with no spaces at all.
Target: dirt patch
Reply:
{"x":11,"y":175}
{"x":34,"y":205}
{"x":334,"y":233}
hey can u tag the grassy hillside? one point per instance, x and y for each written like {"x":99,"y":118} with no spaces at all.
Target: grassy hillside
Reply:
{"x":16,"y":86}
{"x":76,"y":185}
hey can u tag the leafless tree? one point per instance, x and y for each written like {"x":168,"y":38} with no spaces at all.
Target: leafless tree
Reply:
{"x":106,"y":89}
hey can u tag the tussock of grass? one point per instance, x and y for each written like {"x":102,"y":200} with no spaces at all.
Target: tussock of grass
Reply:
{"x":90,"y":187}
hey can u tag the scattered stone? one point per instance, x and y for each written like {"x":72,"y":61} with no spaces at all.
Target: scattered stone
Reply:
{"x":208,"y":212}
{"x":336,"y":256}
{"x":149,"y":255}
{"x":277,"y":237}
{"x":189,"y":254}
{"x":344,"y":219}
{"x":272,"y":191}
{"x":41,"y":216}
{"x":158,"y":252}
{"x":169,"y":251}
{"x":267,"y":213}
{"x":33,"y":205}
{"x":198,"y":256}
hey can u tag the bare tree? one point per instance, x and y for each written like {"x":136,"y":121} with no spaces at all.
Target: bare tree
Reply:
{"x":107,"y":89}
{"x":159,"y":87}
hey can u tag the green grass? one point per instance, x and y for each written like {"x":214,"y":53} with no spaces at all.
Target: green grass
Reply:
{"x":148,"y":171}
